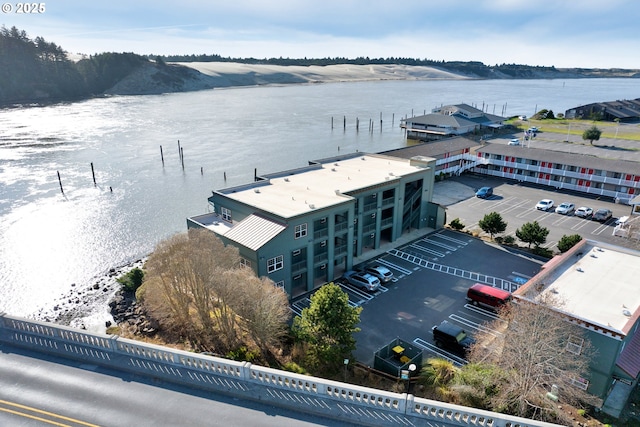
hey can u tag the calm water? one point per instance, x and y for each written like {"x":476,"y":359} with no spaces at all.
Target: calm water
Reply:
{"x":50,"y":240}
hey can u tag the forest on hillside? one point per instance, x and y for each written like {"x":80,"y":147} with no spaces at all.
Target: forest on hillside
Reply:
{"x":33,"y":70}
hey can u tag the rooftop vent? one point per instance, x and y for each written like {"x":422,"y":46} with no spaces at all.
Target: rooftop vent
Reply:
{"x":286,"y":180}
{"x":333,"y":169}
{"x":626,"y":312}
{"x":579,"y":269}
{"x":312,"y":206}
{"x":256,"y":190}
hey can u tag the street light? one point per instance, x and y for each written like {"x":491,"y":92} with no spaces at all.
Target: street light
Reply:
{"x":412,"y":369}
{"x":346,"y":363}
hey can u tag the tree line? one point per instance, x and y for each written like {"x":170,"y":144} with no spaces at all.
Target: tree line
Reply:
{"x":35,"y":70}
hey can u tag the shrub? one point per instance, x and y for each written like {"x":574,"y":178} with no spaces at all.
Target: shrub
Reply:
{"x":509,"y":240}
{"x":456,"y":224}
{"x":567,"y":242}
{"x":243,"y":353}
{"x":294,"y":367}
{"x":544,"y":252}
{"x":132,"y":280}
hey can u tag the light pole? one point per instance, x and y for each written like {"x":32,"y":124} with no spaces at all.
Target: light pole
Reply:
{"x":346,"y":363}
{"x":412,"y":369}
{"x":568,"y":131}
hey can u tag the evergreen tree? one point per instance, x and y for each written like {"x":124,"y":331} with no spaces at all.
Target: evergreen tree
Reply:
{"x":492,"y":223}
{"x":327,"y":327}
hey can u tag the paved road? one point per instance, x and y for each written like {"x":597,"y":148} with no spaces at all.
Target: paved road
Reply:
{"x":36,"y":390}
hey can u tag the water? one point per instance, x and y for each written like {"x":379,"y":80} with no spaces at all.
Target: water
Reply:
{"x":50,"y":240}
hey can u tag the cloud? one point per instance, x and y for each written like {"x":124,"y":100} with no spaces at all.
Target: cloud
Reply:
{"x":589,"y":32}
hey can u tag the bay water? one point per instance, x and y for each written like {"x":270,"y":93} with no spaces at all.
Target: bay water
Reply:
{"x":53,"y":238}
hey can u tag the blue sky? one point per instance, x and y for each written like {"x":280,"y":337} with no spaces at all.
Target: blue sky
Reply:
{"x":562,"y":33}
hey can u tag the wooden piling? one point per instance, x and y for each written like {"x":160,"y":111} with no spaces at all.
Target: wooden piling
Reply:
{"x":255,"y":174}
{"x":161,"y":155}
{"x":182,"y":157}
{"x":225,"y":175}
{"x":201,"y":170}
{"x":93,"y":174}
{"x":357,"y":124}
{"x":331,"y":122}
{"x":344,"y":122}
{"x":60,"y":182}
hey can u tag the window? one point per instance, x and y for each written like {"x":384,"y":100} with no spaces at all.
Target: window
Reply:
{"x":226,"y":214}
{"x":574,"y":344}
{"x":279,"y":284}
{"x":275,"y":264}
{"x":245,"y":263}
{"x":323,"y":243}
{"x":300,"y":230}
{"x":296,"y":252}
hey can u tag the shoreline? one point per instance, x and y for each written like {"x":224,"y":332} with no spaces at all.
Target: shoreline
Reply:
{"x":87,"y":306}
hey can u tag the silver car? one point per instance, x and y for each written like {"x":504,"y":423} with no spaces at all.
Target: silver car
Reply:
{"x":364,"y":281}
{"x":381,"y":272}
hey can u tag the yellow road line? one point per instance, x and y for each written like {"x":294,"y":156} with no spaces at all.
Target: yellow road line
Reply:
{"x":40,"y":411}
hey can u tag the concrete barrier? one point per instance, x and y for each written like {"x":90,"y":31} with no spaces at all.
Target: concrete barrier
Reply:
{"x":331,"y":399}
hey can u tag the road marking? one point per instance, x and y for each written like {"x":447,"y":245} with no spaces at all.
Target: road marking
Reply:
{"x":40,"y":411}
{"x":440,"y":352}
{"x":471,"y":275}
{"x":451,"y":239}
{"x":429,"y":251}
{"x":394,"y":266}
{"x":440,"y":244}
{"x":473,"y":325}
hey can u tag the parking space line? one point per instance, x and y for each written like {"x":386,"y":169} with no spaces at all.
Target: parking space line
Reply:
{"x":482,"y":311}
{"x":438,"y":351}
{"x":481,"y":278}
{"x":441,"y":235}
{"x":442,"y":245}
{"x":473,"y":325}
{"x":429,"y":251}
{"x":394,"y":266}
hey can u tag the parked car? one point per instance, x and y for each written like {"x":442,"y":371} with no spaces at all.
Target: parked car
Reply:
{"x":602,"y":215}
{"x":565,"y":208}
{"x":381,"y":272}
{"x":533,"y":129}
{"x":362,"y":280}
{"x":452,"y":337}
{"x":488,"y":296}
{"x":584,"y":212}
{"x":484,"y":192}
{"x":514,"y":141}
{"x":544,"y":205}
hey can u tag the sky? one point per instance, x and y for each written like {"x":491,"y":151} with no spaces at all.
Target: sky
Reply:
{"x":560,"y":33}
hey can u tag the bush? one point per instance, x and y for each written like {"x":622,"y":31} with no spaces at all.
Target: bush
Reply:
{"x":544,"y":252}
{"x":294,"y":367}
{"x":456,"y":224}
{"x":243,"y":353}
{"x":567,"y":242}
{"x":132,"y":280}
{"x":509,"y":240}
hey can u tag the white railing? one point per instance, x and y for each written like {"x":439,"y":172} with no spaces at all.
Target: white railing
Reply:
{"x":332,"y":399}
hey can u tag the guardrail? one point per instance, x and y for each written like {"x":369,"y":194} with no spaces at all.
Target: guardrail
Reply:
{"x":330,"y":399}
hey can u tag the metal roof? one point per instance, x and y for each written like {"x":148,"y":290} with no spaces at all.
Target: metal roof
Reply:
{"x":629,"y":360}
{"x":254,"y":231}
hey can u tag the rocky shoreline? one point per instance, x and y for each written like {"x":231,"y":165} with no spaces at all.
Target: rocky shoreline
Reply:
{"x":97,"y":305}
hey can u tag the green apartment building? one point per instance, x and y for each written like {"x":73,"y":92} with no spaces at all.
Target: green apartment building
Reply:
{"x":304,"y":227}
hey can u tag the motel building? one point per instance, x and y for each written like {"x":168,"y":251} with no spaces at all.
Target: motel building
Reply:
{"x":304,"y":227}
{"x":597,"y":286}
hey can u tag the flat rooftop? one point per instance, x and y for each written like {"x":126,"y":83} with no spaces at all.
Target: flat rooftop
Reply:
{"x":597,"y":283}
{"x":289,"y":195}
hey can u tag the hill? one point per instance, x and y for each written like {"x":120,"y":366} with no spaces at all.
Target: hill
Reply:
{"x":37,"y":71}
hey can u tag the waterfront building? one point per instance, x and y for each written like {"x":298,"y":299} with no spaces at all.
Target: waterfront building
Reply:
{"x":597,"y":287}
{"x":304,"y":227}
{"x":623,"y":111}
{"x":450,"y":120}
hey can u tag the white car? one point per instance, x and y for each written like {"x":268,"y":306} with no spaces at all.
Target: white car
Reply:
{"x":584,"y":212}
{"x":514,"y":141}
{"x":565,"y":208}
{"x":544,"y":205}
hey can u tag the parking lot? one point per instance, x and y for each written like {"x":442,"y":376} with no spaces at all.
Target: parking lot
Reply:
{"x":432,"y":273}
{"x":515,"y":202}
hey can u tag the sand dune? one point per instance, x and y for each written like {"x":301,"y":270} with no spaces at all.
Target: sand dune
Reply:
{"x":225,"y":74}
